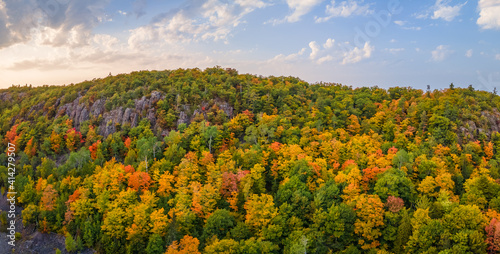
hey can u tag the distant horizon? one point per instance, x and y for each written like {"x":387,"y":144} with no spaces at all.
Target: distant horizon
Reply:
{"x":358,"y":43}
{"x":255,"y":74}
{"x":264,"y":76}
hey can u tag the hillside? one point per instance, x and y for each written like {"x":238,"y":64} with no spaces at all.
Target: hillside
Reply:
{"x":188,"y":160}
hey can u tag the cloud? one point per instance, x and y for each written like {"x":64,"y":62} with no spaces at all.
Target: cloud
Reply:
{"x":403,"y":23}
{"x":441,"y":53}
{"x":300,"y":8}
{"x":314,"y":50}
{"x":442,"y":10}
{"x":340,"y":53}
{"x":212,"y":20}
{"x":326,"y":58}
{"x":357,"y":54}
{"x":400,"y":22}
{"x":67,"y":21}
{"x":318,"y":54}
{"x":288,"y":58}
{"x":345,"y":9}
{"x":252,"y":4}
{"x":415,"y":28}
{"x":497,"y":57}
{"x":102,"y":48}
{"x":489,"y":14}
{"x":469,"y":53}
{"x":395,"y":50}
{"x":40,"y":64}
{"x":329,"y":43}
{"x":447,"y":12}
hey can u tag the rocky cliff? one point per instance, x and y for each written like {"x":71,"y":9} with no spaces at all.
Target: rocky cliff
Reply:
{"x":144,"y":107}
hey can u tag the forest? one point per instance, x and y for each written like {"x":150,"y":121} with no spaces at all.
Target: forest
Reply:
{"x":214,"y":161}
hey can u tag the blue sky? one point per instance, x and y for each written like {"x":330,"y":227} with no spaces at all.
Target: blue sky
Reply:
{"x":353,"y":42}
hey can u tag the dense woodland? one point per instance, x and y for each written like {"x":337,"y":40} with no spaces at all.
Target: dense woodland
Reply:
{"x":238,"y":163}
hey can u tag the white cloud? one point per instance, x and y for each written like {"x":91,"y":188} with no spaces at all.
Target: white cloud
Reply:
{"x":395,"y":50}
{"x":168,"y":41}
{"x":106,"y":41}
{"x":469,"y":53}
{"x":441,"y":53}
{"x":288,"y":58}
{"x":489,"y":14}
{"x":314,"y":50}
{"x":341,"y":53}
{"x":68,"y":22}
{"x":254,"y":4}
{"x":422,"y":15}
{"x":403,"y":23}
{"x":400,"y":22}
{"x":345,"y":9}
{"x":326,"y":58}
{"x":497,"y":57}
{"x":357,"y":54}
{"x":329,"y":43}
{"x":300,"y":8}
{"x":214,"y":20}
{"x":447,"y":12}
{"x":442,"y":10}
{"x":415,"y":28}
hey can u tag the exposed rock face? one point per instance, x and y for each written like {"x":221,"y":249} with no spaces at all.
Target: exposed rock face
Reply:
{"x":5,"y":96}
{"x":36,"y":108}
{"x":488,"y":124}
{"x":75,"y":111}
{"x":79,"y":113}
{"x":144,"y":107}
{"x":493,"y":119}
{"x":183,"y":115}
{"x":228,"y":109}
{"x":97,"y":108}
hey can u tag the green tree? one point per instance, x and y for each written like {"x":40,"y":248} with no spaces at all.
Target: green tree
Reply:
{"x":218,"y":224}
{"x":155,"y":245}
{"x":70,"y":243}
{"x":394,"y":182}
{"x":209,"y":135}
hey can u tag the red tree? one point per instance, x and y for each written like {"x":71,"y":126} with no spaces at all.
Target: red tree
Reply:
{"x":493,"y":236}
{"x":394,"y":204}
{"x":139,"y":180}
{"x":93,"y":149}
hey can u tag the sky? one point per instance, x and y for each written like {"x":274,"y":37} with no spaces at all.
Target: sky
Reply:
{"x":353,"y":42}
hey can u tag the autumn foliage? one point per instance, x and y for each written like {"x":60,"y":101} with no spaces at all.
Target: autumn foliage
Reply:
{"x":213,"y":161}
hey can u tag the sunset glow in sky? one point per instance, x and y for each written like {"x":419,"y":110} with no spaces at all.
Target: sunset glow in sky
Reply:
{"x":353,"y":42}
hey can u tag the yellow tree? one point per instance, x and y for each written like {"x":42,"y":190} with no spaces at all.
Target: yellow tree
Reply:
{"x":204,"y":199}
{"x":166,"y":184}
{"x":49,"y":197}
{"x":56,"y":142}
{"x":260,"y":212}
{"x":120,"y":214}
{"x":30,"y":148}
{"x":187,"y":245}
{"x":159,"y":222}
{"x":141,"y":217}
{"x":353,"y":126}
{"x":428,"y":187}
{"x":370,"y":213}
